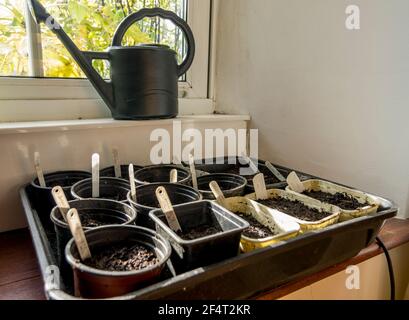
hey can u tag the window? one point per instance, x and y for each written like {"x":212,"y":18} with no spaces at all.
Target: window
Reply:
{"x":32,"y":59}
{"x":90,"y":23}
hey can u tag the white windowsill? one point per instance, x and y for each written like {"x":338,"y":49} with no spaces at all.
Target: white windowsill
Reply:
{"x":68,"y":125}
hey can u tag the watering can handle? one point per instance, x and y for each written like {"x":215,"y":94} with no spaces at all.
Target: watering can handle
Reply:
{"x":158,"y":12}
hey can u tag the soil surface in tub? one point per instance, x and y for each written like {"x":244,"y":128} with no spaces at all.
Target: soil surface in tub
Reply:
{"x":256,"y":229}
{"x":295,"y":209}
{"x":122,"y":257}
{"x":98,"y":220}
{"x":342,"y":200}
{"x":200,"y":232}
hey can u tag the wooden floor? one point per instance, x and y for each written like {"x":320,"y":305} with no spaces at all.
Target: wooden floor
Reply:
{"x":20,"y":277}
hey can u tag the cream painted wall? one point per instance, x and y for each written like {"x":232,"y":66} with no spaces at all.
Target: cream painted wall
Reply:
{"x":327,"y":100}
{"x":71,"y":148}
{"x":374,"y":281}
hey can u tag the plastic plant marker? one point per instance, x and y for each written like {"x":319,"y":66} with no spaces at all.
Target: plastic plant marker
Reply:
{"x":95,"y":175}
{"x":61,"y":201}
{"x":39,"y":171}
{"x":174,"y":176}
{"x":295,"y":183}
{"x":274,"y":171}
{"x":132,"y":182}
{"x":117,"y":165}
{"x":77,"y":232}
{"x":252,"y":165}
{"x":167,"y":209}
{"x":218,"y":193}
{"x":260,"y":187}
{"x":193,"y":171}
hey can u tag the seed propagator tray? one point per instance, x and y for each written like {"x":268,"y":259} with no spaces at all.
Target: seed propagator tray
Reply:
{"x":241,"y":277}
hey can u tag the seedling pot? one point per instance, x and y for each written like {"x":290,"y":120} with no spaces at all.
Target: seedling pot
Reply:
{"x":92,"y":283}
{"x":109,"y":188}
{"x":371,"y":207}
{"x":280,"y":224}
{"x":161,"y":174}
{"x":146,"y":199}
{"x":108,"y":211}
{"x":231,"y":185}
{"x":110,"y":172}
{"x":306,"y":226}
{"x":191,"y":254}
{"x":42,"y":198}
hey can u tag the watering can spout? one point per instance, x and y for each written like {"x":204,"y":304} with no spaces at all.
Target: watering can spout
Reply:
{"x":84,"y":59}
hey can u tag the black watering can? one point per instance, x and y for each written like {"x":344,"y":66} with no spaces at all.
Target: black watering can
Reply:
{"x":144,"y":79}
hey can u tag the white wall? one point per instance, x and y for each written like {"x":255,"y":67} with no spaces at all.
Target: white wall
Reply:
{"x":327,"y":100}
{"x":65,"y":147}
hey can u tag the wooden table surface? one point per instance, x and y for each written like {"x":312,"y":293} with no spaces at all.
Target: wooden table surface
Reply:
{"x":20,"y":277}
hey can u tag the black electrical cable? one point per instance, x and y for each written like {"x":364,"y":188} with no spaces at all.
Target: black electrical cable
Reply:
{"x":390,"y":267}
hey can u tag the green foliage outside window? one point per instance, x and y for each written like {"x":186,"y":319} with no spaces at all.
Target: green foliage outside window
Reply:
{"x":90,"y":24}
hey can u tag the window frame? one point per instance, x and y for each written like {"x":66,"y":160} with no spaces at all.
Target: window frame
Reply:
{"x":22,"y":92}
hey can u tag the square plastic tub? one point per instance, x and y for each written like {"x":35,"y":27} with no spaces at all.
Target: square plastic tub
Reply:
{"x":332,"y":188}
{"x":191,"y":254}
{"x":306,"y":226}
{"x":284,"y":227}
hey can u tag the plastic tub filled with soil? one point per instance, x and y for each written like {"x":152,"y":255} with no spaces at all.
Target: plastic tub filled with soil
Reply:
{"x":42,"y":198}
{"x":146,"y":200}
{"x":124,"y":259}
{"x":231,"y":185}
{"x":110,"y":172}
{"x":266,"y":228}
{"x":93,"y":213}
{"x":210,"y":234}
{"x":109,"y":188}
{"x":162,"y":174}
{"x":309,"y":213}
{"x":353,"y":203}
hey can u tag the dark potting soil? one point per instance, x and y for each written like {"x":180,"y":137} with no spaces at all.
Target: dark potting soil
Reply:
{"x":295,"y":209}
{"x":98,"y":220}
{"x":342,"y":200}
{"x":256,"y":229}
{"x":122,"y":257}
{"x":200,"y":232}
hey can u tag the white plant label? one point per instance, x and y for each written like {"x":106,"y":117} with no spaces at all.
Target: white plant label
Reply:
{"x":95,"y":175}
{"x":77,"y":232}
{"x":167,"y":208}
{"x":40,"y":174}
{"x":132,"y":182}
{"x":117,"y":165}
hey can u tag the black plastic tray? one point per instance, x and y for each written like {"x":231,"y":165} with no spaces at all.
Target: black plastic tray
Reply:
{"x":245,"y":275}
